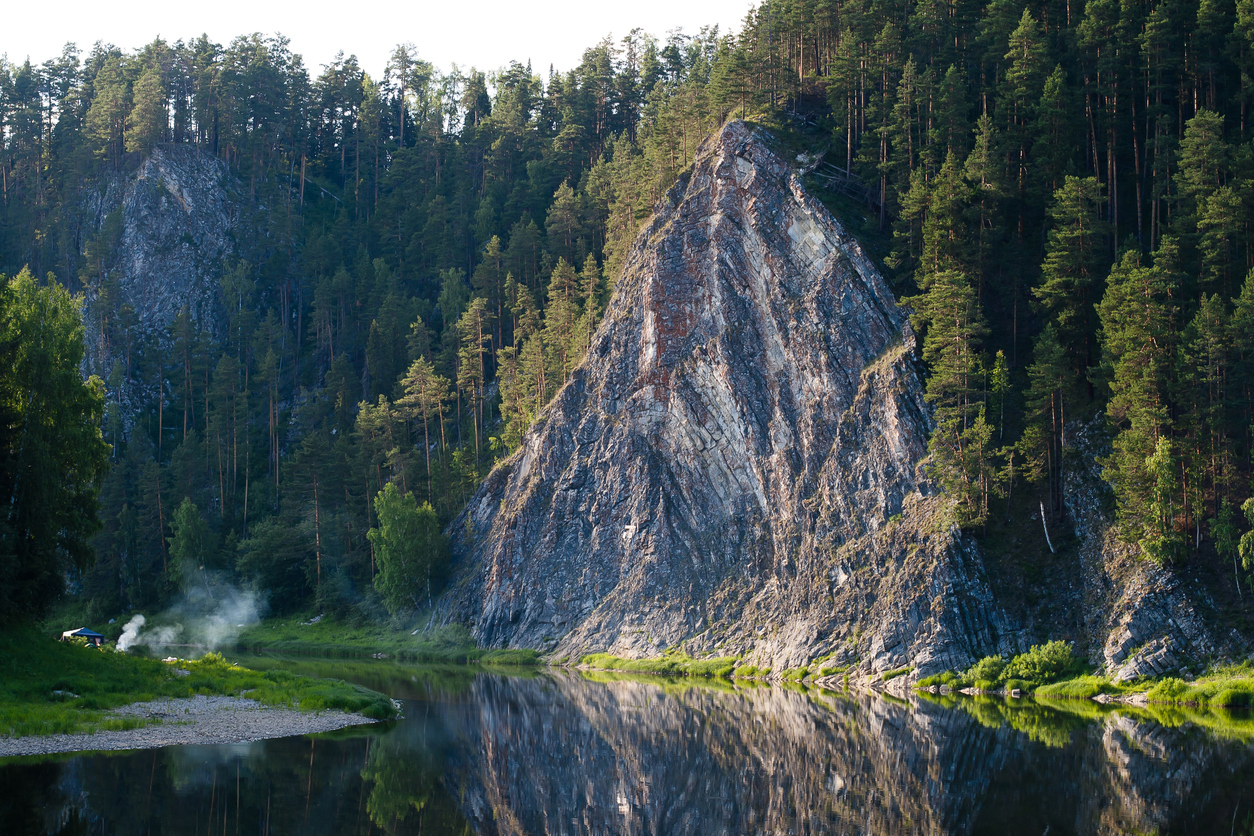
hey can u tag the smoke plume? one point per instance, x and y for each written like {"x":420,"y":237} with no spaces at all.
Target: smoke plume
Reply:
{"x":207,"y":617}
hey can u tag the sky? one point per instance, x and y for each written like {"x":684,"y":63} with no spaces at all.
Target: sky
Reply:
{"x":485,"y":34}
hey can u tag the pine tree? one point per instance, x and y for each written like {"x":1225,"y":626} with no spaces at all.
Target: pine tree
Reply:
{"x":475,"y":330}
{"x":1139,"y":338}
{"x":149,"y":118}
{"x":949,"y":316}
{"x":1073,"y":270}
{"x":1048,"y":397}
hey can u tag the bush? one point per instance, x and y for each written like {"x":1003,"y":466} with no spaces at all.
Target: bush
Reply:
{"x":1168,"y":690}
{"x":987,"y":669}
{"x":674,"y":664}
{"x":1042,"y":664}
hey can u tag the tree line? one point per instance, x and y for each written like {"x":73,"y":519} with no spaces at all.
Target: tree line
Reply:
{"x":420,"y":264}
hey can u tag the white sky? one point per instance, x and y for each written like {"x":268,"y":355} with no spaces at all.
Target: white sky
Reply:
{"x":485,"y":34}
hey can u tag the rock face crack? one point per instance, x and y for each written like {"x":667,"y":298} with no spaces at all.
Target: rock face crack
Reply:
{"x":748,"y":425}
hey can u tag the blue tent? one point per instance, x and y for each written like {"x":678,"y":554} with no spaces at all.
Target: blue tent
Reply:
{"x":83,"y":633}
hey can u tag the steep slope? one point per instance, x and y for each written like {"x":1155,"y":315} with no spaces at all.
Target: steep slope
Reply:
{"x":735,"y":465}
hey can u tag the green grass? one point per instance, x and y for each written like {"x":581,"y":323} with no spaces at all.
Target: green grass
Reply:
{"x":33,"y":666}
{"x":451,"y":644}
{"x":1228,"y":687}
{"x":1081,"y":687}
{"x":887,"y":675}
{"x":944,"y":678}
{"x":671,"y":664}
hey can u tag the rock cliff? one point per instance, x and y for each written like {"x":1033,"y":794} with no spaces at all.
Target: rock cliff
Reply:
{"x":735,"y":467}
{"x":177,"y":225}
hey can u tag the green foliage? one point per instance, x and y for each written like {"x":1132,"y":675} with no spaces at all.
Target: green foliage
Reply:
{"x":674,"y":664}
{"x":410,"y":548}
{"x":193,"y":545}
{"x":1042,"y":664}
{"x":1081,"y":687}
{"x":1231,"y":687}
{"x":52,"y":455}
{"x":988,"y":669}
{"x":937,"y":679}
{"x":33,"y":666}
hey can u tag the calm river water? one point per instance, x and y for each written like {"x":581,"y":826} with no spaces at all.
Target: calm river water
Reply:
{"x":560,"y":753}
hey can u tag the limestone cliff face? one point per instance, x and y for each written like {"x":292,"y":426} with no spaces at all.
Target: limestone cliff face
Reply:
{"x":735,"y":467}
{"x":178,"y":220}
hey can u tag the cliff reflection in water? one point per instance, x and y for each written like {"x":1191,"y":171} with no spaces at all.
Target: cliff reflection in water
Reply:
{"x":559,"y":754}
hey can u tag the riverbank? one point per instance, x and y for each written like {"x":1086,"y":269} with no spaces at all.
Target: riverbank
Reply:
{"x":202,"y":720}
{"x":58,"y":688}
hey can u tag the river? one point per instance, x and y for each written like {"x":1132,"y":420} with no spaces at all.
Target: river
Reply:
{"x":555,"y":752}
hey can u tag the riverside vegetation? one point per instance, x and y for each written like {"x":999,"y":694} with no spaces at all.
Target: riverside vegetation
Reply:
{"x":51,"y":687}
{"x":1053,"y":671}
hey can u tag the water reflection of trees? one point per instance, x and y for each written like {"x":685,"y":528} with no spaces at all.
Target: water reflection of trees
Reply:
{"x":404,"y":772}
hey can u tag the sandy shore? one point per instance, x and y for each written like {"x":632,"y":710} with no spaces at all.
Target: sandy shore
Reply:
{"x":204,"y":720}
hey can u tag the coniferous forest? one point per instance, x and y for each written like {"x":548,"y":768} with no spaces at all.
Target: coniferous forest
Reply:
{"x":1062,"y":192}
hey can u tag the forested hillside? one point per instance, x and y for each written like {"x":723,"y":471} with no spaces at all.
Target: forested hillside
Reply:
{"x":1063,"y":192}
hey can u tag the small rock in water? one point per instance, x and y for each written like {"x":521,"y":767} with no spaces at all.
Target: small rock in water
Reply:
{"x":1015,"y":692}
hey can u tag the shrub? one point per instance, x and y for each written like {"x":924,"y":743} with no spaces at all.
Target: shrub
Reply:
{"x":1167,"y":690}
{"x":987,"y":669}
{"x":1042,"y":664}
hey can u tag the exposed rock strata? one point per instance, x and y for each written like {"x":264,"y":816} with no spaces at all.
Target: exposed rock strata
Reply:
{"x":178,"y":220}
{"x":735,"y":467}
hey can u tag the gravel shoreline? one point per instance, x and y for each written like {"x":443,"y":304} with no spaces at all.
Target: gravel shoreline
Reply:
{"x":199,"y":719}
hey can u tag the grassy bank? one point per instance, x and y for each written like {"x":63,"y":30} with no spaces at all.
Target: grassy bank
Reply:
{"x":444,"y":645}
{"x":670,"y":664}
{"x":52,"y":687}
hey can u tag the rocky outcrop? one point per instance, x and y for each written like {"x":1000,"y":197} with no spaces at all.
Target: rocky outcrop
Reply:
{"x":735,"y":466}
{"x":1141,"y":619}
{"x":177,"y":226}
